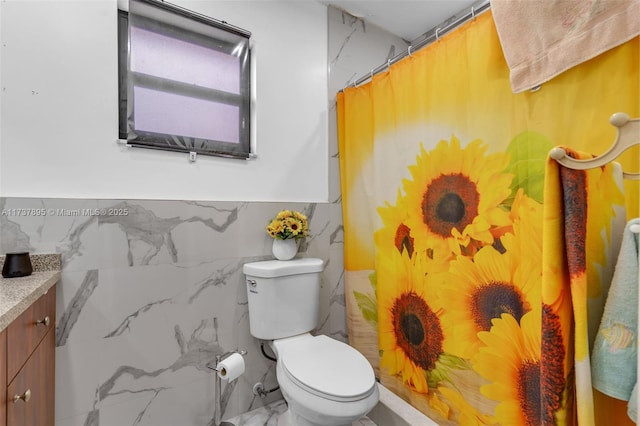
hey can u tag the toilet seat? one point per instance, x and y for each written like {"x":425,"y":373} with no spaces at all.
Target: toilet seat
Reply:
{"x":327,"y":368}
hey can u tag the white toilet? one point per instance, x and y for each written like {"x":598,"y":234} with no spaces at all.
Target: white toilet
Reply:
{"x":324,"y":381}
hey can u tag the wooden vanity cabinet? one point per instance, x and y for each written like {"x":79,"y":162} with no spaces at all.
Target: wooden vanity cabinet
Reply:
{"x":30,"y":365}
{"x":3,"y":378}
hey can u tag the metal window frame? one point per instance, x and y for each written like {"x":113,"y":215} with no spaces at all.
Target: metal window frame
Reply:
{"x":179,"y":143}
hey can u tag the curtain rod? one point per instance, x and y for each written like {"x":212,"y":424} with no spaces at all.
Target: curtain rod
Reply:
{"x":439,"y":30}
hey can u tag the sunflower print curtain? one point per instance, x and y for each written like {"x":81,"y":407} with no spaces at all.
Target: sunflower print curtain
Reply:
{"x":442,"y":170}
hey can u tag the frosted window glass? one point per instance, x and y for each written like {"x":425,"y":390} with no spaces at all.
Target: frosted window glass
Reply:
{"x":184,"y":81}
{"x":171,"y":114}
{"x":167,"y":57}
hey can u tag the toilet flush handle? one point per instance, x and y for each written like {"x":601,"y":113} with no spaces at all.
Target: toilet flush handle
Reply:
{"x":252,"y":283}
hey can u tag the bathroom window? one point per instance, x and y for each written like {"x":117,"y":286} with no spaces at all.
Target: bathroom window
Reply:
{"x":184,"y":81}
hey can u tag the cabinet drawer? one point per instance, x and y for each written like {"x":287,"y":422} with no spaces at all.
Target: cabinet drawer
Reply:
{"x":26,"y":331}
{"x":30,"y":399}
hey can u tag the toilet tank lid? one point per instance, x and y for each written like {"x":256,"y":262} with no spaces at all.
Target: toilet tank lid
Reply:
{"x":280,"y":268}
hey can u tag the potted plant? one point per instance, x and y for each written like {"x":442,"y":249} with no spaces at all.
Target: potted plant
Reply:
{"x":286,"y":228}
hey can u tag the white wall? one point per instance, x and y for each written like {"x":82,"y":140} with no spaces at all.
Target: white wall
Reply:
{"x":1,"y":97}
{"x":59,"y":107}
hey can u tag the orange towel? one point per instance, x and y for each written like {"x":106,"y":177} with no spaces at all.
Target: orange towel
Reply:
{"x":578,"y":210}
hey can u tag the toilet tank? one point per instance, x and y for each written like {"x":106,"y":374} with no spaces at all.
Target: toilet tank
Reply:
{"x":284,"y":296}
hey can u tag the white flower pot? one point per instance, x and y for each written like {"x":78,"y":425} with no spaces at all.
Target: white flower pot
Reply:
{"x":284,"y":249}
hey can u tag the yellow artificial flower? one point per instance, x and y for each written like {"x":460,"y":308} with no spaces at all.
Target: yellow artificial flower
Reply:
{"x":288,"y":224}
{"x":304,"y":223}
{"x":284,"y":214}
{"x":294,"y":225}
{"x":275,"y":228}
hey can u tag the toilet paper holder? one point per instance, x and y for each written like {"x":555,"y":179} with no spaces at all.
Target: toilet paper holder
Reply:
{"x":220,"y":358}
{"x":218,"y":387}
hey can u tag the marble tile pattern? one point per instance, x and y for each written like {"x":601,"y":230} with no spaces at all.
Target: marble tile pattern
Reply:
{"x":268,"y":416}
{"x":151,"y":291}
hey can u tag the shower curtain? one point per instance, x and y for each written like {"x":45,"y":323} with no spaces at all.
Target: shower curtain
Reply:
{"x":442,"y":171}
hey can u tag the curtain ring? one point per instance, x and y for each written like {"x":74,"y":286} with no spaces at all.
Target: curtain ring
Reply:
{"x":409,"y":50}
{"x":473,"y":13}
{"x":437,"y":36}
{"x":388,"y":65}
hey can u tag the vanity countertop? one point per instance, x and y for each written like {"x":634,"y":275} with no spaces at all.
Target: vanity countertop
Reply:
{"x":17,"y":294}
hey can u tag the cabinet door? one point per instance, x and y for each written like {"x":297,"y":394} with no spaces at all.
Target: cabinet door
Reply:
{"x":37,"y":379}
{"x":3,"y":378}
{"x":26,"y":331}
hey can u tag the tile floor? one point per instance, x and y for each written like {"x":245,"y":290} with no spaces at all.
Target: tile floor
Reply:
{"x":268,"y":416}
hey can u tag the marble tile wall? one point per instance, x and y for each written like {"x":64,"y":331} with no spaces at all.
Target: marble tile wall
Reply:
{"x":152,"y":290}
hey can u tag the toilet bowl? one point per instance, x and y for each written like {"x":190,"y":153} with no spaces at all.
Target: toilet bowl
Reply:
{"x":324,"y":381}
